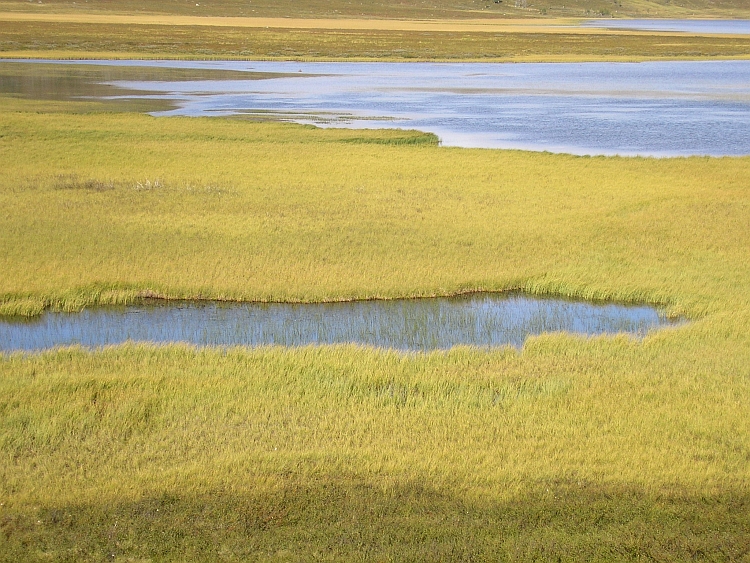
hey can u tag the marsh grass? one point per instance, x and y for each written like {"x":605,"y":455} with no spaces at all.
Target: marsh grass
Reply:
{"x":229,"y":209}
{"x":59,"y":40}
{"x":206,"y":36}
{"x":573,"y":448}
{"x":602,"y":447}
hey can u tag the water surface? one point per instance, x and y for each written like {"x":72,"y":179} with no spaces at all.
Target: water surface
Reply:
{"x":717,"y":27}
{"x":484,"y":320}
{"x":672,"y":108}
{"x":655,"y":109}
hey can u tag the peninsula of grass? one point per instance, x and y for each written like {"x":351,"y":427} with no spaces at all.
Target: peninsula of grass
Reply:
{"x":102,"y":207}
{"x":570,"y":449}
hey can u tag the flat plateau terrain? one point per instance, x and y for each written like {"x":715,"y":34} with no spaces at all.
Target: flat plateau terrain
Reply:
{"x":572,"y":448}
{"x":568,"y":449}
{"x":339,"y":30}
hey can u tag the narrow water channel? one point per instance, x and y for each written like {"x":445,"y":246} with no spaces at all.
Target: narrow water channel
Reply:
{"x":484,"y":320}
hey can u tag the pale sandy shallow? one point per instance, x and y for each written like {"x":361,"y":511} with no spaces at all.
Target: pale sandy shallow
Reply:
{"x":567,"y":26}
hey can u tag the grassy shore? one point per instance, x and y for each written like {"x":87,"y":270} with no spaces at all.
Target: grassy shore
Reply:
{"x":101,"y":207}
{"x":570,"y":449}
{"x":54,"y":40}
{"x":335,"y":30}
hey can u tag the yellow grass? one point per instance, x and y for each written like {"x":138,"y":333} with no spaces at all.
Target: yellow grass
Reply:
{"x":280,"y":212}
{"x":572,"y":448}
{"x":396,"y":9}
{"x":128,"y":29}
{"x":560,"y":25}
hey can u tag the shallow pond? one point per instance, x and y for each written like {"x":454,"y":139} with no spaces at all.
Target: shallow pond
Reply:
{"x":483,"y":320}
{"x":672,"y":108}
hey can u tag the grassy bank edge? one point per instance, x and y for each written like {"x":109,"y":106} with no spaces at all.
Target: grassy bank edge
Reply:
{"x":123,"y":55}
{"x":108,"y":295}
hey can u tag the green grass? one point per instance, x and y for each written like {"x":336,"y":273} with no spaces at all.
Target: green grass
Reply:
{"x":571,"y":449}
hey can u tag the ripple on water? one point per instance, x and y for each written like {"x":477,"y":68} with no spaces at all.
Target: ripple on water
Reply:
{"x":666,"y":108}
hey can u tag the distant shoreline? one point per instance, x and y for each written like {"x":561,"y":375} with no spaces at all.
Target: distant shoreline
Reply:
{"x":495,"y":25}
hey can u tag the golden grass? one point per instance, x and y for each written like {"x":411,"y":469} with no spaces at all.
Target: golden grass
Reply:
{"x":233,"y":210}
{"x":567,"y":26}
{"x":573,"y":448}
{"x":394,"y":9}
{"x":128,"y":30}
{"x":60,"y":40}
{"x":483,"y":25}
{"x":612,"y":449}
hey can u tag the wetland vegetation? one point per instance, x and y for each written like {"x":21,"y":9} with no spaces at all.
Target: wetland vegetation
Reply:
{"x":56,"y":40}
{"x":572,"y":448}
{"x":389,"y":30}
{"x":569,"y":449}
{"x":102,"y":207}
{"x":394,"y":9}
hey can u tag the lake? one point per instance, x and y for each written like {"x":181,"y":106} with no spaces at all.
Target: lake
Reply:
{"x":677,"y":108}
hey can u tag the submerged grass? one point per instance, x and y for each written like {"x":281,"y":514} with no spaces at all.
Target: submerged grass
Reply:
{"x":571,"y":449}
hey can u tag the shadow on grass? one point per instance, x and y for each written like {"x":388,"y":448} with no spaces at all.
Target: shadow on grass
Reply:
{"x":352,"y":520}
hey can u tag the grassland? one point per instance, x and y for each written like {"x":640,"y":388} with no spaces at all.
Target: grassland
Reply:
{"x":333,"y":30}
{"x":104,"y":206}
{"x":570,"y":449}
{"x":56,"y":40}
{"x":394,"y":9}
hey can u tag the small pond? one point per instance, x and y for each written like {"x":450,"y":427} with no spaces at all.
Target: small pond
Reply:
{"x":482,"y":319}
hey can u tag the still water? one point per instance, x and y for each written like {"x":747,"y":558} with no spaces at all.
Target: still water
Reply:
{"x":672,"y":108}
{"x":483,"y":320}
{"x":718,"y":27}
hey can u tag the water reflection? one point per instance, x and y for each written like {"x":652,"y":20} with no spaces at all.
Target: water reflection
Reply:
{"x":101,"y":81}
{"x":414,"y":324}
